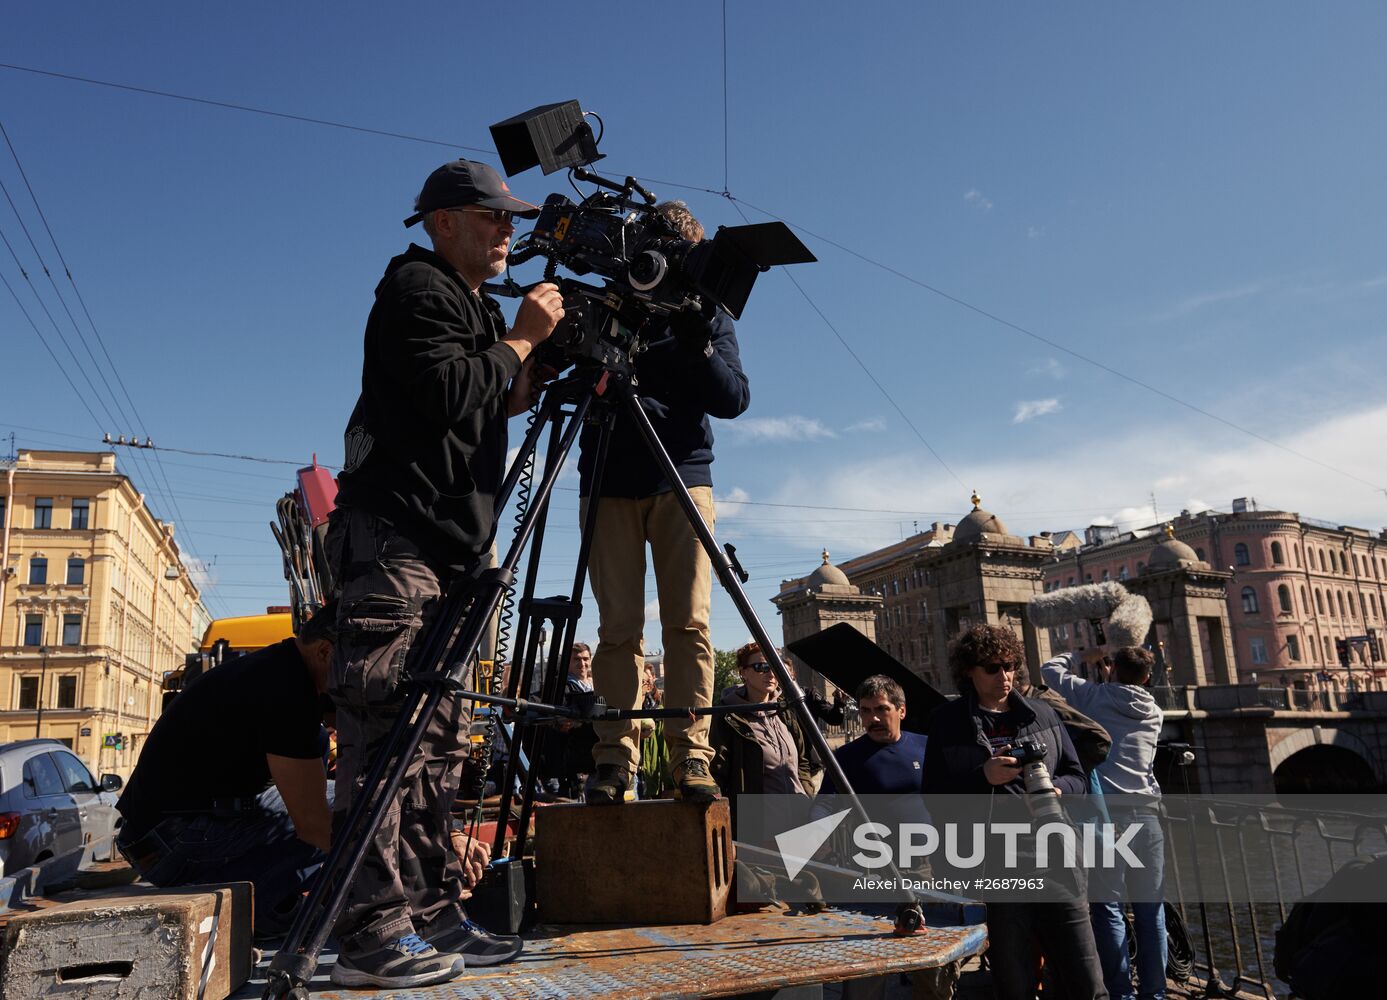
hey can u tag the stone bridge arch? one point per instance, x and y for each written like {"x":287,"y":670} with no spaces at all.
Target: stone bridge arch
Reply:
{"x":1327,"y":738}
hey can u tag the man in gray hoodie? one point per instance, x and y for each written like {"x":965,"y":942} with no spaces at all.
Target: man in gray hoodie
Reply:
{"x":1127,"y":710}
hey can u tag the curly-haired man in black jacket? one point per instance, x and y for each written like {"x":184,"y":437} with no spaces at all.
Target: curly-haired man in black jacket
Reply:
{"x":966,"y":753}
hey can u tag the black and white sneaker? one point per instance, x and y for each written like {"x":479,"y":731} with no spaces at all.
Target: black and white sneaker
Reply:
{"x":478,"y":946}
{"x":406,"y":961}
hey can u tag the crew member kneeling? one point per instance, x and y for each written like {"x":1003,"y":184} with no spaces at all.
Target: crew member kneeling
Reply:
{"x":199,"y":809}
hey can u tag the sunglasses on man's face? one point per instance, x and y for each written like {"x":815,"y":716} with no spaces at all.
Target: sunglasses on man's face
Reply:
{"x":499,"y":216}
{"x":991,"y":668}
{"x":760,"y":666}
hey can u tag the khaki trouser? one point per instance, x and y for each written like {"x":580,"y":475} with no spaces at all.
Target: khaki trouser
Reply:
{"x":683,"y":583}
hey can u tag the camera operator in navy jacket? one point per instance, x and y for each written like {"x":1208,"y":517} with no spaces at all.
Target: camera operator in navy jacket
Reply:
{"x":689,"y":371}
{"x":966,"y":753}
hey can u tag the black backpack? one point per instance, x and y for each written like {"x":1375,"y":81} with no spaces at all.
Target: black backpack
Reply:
{"x":1330,"y":947}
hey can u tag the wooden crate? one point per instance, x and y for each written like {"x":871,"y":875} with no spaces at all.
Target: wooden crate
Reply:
{"x":191,"y":943}
{"x":660,"y":862}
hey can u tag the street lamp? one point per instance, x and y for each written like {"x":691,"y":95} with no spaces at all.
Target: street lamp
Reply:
{"x":43,"y":672}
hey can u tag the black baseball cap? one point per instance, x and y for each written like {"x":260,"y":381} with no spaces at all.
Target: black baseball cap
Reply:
{"x":467,"y":182}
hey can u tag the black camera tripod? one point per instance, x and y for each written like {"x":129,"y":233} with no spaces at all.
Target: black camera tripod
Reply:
{"x":439,"y":660}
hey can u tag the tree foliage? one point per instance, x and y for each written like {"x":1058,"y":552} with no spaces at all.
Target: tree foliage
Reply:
{"x":725,"y":673}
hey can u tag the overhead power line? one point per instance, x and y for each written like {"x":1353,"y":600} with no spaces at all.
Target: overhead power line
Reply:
{"x":865,"y":258}
{"x":230,"y":106}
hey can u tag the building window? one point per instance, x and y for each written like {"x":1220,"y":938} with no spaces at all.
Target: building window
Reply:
{"x":1326,"y":649}
{"x":1323,"y":567}
{"x":1106,"y":577}
{"x":38,"y":570}
{"x":33,"y":630}
{"x":1352,"y":608}
{"x":1319,"y":600}
{"x":67,"y":691}
{"x":1342,"y":614}
{"x":1293,"y":648}
{"x":1259,"y":649}
{"x":43,"y":512}
{"x":28,"y":693}
{"x":1199,"y":554}
{"x":1296,"y":550}
{"x":81,"y":509}
{"x":1122,"y":572}
{"x":1283,"y":596}
{"x":72,"y":630}
{"x":1249,"y":600}
{"x":1372,"y":604}
{"x":76,"y":572}
{"x":1140,"y":566}
{"x":1277,"y":557}
{"x":1304,"y":600}
{"x":1240,"y":556}
{"x":1343,"y":563}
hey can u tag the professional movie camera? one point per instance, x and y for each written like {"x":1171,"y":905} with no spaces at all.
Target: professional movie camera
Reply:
{"x":650,"y":270}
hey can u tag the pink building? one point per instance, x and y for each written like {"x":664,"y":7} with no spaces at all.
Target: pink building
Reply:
{"x":1298,"y":586}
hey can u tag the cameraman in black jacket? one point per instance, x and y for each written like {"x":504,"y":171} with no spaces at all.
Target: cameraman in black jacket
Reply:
{"x":424,"y":454}
{"x":966,"y":753}
{"x":691,"y":370}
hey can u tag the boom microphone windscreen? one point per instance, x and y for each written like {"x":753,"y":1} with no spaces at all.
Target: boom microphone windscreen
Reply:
{"x":1127,"y":616}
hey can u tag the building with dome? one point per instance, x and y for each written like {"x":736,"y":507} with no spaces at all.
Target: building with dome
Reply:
{"x":1289,"y":587}
{"x":928,"y":587}
{"x":824,"y":598}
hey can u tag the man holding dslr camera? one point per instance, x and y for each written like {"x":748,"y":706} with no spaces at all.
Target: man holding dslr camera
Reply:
{"x":967,"y":753}
{"x":691,"y":370}
{"x":424,"y":458}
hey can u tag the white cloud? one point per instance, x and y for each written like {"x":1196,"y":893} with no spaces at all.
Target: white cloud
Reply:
{"x":975,"y":197}
{"x":1029,"y":409}
{"x":1034,"y":232}
{"x":874,"y":424}
{"x":1193,"y":303}
{"x":777,"y":430}
{"x":652,"y":622}
{"x":1102,"y":477}
{"x":1050,"y":367}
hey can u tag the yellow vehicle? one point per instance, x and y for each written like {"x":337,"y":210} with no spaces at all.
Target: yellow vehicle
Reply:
{"x":227,"y":638}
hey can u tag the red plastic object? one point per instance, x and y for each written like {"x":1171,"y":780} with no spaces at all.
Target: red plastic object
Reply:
{"x":317,"y":493}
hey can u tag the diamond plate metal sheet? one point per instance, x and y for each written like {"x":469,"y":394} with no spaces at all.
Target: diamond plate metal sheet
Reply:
{"x":741,"y":954}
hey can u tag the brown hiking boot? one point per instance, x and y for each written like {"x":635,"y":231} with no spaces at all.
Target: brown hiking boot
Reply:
{"x":610,"y":786}
{"x":694,"y":781}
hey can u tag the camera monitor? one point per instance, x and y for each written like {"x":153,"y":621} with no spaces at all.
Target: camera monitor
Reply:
{"x":554,"y":136}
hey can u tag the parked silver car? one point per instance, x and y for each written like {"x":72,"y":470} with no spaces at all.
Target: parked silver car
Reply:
{"x":51,"y":808}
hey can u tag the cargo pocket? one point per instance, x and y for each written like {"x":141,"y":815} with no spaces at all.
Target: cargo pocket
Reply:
{"x":374,"y":633}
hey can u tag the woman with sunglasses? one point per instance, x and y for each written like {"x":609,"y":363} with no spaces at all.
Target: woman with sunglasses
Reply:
{"x":761,"y":753}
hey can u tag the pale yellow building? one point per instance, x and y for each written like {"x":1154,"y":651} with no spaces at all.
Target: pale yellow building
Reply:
{"x":96,"y":606}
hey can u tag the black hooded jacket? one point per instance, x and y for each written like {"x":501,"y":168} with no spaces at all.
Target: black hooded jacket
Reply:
{"x":425,"y":446}
{"x":680,"y":383}
{"x":958,"y":748}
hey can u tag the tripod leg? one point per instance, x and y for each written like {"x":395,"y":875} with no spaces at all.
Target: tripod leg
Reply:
{"x":296,"y":961}
{"x":732,"y":585}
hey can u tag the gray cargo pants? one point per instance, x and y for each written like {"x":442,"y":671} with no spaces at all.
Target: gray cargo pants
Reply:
{"x":409,"y":880}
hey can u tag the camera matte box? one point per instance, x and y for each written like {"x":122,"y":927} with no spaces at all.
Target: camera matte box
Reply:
{"x":192,"y":943}
{"x":658,"y":862}
{"x":554,"y":136}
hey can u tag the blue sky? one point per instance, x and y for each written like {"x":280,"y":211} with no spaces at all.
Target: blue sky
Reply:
{"x":1189,"y":194}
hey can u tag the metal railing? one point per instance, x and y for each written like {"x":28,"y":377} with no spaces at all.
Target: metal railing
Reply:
{"x":1233,"y":941}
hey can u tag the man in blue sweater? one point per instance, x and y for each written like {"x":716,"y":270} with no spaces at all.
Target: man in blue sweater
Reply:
{"x":884,"y":760}
{"x":690,"y":370}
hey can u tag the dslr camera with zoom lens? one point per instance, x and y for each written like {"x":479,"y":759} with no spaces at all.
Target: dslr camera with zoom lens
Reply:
{"x":649,"y":271}
{"x":1040,"y":790}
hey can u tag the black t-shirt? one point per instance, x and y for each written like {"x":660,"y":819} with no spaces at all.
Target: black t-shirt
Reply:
{"x":1000,"y":728}
{"x":212,"y":741}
